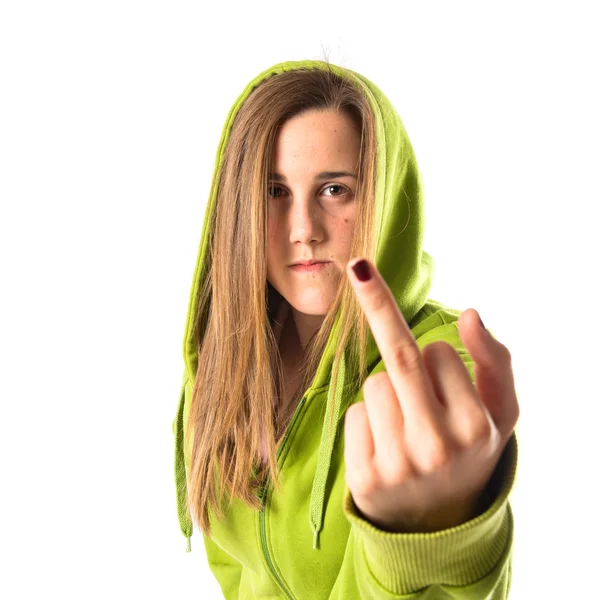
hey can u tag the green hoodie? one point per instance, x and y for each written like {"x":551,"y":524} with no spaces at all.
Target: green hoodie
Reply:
{"x":309,"y":542}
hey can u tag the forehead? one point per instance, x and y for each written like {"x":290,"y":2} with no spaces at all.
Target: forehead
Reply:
{"x":316,"y":140}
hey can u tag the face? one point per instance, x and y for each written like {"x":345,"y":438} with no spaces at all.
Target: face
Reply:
{"x":312,"y":207}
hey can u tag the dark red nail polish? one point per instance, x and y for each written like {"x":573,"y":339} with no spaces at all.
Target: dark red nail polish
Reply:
{"x":361,"y":270}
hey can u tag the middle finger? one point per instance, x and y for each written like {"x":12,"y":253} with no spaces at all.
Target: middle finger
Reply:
{"x":399,"y":350}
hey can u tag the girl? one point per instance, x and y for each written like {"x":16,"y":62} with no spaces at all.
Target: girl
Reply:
{"x":339,"y":434}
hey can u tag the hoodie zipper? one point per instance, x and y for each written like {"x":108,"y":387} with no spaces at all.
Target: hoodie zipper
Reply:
{"x":262,"y":516}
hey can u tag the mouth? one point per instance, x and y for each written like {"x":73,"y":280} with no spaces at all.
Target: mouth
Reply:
{"x":310,"y":266}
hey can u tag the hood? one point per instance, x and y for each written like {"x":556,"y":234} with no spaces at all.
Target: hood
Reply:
{"x":407,"y":269}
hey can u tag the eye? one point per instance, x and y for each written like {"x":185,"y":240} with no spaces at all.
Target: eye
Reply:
{"x":274,"y":191}
{"x":338,"y":186}
{"x":271,"y":188}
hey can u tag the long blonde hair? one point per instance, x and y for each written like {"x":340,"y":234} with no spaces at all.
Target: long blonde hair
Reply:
{"x":239,"y":365}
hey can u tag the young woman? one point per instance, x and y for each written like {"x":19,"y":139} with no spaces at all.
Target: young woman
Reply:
{"x":339,"y":434}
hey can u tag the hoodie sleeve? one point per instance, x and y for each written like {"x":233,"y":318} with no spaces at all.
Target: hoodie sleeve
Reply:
{"x":224,"y":567}
{"x":471,"y":561}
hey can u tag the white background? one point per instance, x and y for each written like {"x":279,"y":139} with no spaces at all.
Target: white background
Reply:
{"x":110,"y":117}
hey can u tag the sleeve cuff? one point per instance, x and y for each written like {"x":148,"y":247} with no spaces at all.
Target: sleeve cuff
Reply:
{"x":406,"y":562}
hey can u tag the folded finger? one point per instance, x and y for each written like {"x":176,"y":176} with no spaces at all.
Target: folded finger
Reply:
{"x":359,"y":447}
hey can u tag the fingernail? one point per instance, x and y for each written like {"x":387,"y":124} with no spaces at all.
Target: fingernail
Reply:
{"x":482,"y":325}
{"x":361,"y":270}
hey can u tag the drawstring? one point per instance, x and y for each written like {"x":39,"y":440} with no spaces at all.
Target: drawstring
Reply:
{"x":185,"y":521}
{"x":317,"y":497}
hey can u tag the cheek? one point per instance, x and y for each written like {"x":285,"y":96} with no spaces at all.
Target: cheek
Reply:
{"x":273,"y":240}
{"x":272,"y":222}
{"x":271,"y":231}
{"x":346,"y":228}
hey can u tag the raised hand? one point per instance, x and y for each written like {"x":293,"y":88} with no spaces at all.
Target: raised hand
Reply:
{"x":422,"y":446}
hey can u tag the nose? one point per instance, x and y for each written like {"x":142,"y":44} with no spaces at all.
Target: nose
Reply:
{"x":305,"y":226}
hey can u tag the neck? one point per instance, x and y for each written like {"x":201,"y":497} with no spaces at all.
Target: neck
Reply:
{"x":306,"y":326}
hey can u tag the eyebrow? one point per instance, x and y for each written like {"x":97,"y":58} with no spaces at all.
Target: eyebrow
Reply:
{"x":323,"y":175}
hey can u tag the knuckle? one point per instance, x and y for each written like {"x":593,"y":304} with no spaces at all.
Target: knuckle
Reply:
{"x":374,"y":383}
{"x":362,"y":482}
{"x":398,"y":474}
{"x":437,"y":456}
{"x":407,"y":357}
{"x":476,"y":428}
{"x":515,"y":413}
{"x":354,"y":411}
{"x":379,"y":301}
{"x":506,"y":353}
{"x":436,"y":350}
{"x":441,"y":346}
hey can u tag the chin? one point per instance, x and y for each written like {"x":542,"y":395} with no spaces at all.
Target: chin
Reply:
{"x":308,"y":307}
{"x":312,"y":311}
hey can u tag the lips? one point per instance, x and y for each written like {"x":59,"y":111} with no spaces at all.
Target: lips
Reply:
{"x":308,"y":263}
{"x":314,"y":267}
